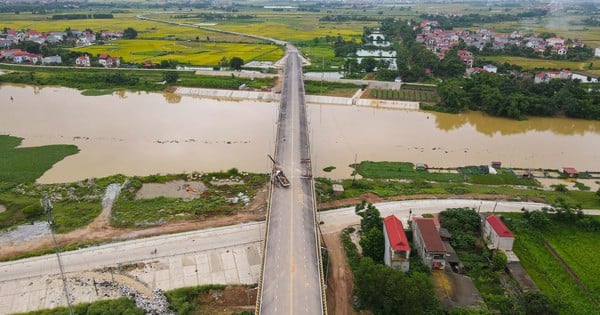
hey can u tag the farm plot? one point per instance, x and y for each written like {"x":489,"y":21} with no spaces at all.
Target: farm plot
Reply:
{"x":531,"y":63}
{"x":209,"y":54}
{"x":404,"y":94}
{"x":578,"y":249}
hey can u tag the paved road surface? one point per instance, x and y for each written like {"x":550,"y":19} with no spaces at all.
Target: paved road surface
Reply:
{"x":291,"y":282}
{"x":134,"y":251}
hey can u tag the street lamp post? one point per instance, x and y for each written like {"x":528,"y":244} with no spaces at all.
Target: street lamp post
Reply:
{"x":47,"y":205}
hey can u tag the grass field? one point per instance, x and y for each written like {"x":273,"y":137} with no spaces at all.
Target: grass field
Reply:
{"x":533,"y":64}
{"x":27,"y":164}
{"x":330,"y":88}
{"x":195,"y":53}
{"x":401,"y":170}
{"x":578,"y":248}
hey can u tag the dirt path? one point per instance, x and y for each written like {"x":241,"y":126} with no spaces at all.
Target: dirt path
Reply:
{"x":100,"y":231}
{"x":340,"y":280}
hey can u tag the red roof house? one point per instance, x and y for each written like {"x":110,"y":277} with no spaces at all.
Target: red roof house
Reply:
{"x":570,"y":172}
{"x":428,"y":243}
{"x":496,"y":234}
{"x":397,"y":248}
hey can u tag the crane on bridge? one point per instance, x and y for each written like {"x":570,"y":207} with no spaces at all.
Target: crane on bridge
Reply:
{"x":278,"y":173}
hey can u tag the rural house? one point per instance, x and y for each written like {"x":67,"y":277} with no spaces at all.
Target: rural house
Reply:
{"x":108,"y":61}
{"x":428,"y":243}
{"x":569,"y":172}
{"x":397,"y":249}
{"x":83,"y":61}
{"x":496,"y":234}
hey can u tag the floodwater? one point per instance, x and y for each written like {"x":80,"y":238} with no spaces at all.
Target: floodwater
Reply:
{"x":139,"y":133}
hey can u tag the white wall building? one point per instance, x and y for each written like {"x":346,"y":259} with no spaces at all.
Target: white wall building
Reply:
{"x":496,"y":234}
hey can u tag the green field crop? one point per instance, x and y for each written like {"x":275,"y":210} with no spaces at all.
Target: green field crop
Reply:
{"x":538,"y":64}
{"x":401,"y":170}
{"x":578,"y":248}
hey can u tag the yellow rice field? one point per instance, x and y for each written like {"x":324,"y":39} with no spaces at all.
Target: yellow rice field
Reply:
{"x":195,"y":53}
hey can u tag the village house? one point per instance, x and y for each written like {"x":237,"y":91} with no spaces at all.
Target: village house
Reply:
{"x":108,"y":61}
{"x":83,"y":61}
{"x":585,"y":78}
{"x":25,"y":57}
{"x":467,"y":57}
{"x":490,"y":68}
{"x":496,"y":234}
{"x":569,"y":172}
{"x":597,"y":52}
{"x":553,"y":41}
{"x":51,"y":59}
{"x":427,"y":241}
{"x":397,"y":249}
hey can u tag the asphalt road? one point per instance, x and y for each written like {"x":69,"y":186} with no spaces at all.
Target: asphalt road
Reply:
{"x":291,"y":282}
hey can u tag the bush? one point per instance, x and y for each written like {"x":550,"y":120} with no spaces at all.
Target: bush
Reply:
{"x":499,"y":261}
{"x":33,"y":211}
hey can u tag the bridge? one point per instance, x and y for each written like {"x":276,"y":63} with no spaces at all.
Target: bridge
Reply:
{"x":291,"y":277}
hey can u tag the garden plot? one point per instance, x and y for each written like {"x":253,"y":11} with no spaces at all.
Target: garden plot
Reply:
{"x":173,"y":189}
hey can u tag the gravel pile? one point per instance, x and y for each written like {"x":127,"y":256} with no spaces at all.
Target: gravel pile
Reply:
{"x":155,"y":305}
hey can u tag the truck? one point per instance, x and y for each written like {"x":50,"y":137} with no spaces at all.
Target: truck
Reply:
{"x":278,"y":174}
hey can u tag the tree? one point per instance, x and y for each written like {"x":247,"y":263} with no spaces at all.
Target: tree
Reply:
{"x":387,"y":290}
{"x":499,"y":261}
{"x":371,"y":218}
{"x":368,"y":64}
{"x":236,"y":63}
{"x":373,"y":245}
{"x":171,"y":76}
{"x":130,"y":33}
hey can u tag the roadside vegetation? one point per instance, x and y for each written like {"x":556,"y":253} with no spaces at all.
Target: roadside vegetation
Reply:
{"x":121,"y":306}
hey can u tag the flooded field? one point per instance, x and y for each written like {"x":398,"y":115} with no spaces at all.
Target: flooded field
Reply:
{"x":146,"y":133}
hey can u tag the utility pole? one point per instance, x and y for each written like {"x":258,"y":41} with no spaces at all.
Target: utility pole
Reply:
{"x":47,"y":205}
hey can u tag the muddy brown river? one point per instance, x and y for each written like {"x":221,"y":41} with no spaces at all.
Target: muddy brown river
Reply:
{"x":139,"y":133}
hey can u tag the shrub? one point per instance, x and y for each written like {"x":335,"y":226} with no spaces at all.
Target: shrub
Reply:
{"x":33,"y":211}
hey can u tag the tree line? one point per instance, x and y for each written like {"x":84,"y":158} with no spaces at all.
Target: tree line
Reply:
{"x":468,"y":20}
{"x":75,"y":16}
{"x":513,"y":97}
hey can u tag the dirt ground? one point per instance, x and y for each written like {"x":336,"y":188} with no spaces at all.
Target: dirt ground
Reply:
{"x":234,"y":298}
{"x":173,"y":189}
{"x":100,"y":230}
{"x":455,"y":290}
{"x":340,"y":280}
{"x":2,"y":208}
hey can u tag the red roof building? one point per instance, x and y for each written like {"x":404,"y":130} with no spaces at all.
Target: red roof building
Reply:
{"x":428,"y":243}
{"x":570,"y":172}
{"x":496,"y":234}
{"x":397,"y":248}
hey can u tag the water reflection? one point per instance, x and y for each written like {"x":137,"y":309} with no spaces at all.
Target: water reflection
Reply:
{"x":172,"y":98}
{"x":140,"y":133}
{"x":489,"y":125}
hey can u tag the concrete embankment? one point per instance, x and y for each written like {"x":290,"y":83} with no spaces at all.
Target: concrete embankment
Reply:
{"x":310,"y":99}
{"x":229,"y":94}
